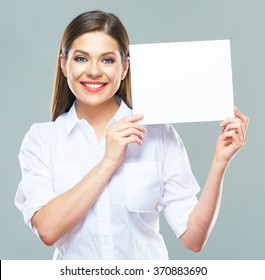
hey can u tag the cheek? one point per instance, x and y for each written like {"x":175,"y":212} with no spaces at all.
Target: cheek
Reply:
{"x":73,"y":72}
{"x":115,"y":75}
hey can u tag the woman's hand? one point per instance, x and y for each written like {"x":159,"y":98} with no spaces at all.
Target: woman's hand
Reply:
{"x":232,"y":138}
{"x":119,"y":136}
{"x":203,"y":216}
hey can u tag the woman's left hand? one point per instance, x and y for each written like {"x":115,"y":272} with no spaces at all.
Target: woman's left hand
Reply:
{"x":232,"y":138}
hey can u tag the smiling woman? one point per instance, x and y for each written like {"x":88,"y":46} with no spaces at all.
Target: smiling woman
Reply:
{"x":94,"y":70}
{"x":91,"y":22}
{"x":94,"y":180}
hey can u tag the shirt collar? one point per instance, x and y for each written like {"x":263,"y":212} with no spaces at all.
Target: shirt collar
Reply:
{"x":72,"y":118}
{"x":122,"y":112}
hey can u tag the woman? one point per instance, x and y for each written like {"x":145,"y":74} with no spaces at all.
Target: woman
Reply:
{"x":94,"y":180}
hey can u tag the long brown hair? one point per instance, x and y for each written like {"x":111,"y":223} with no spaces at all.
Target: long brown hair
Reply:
{"x":63,"y":98}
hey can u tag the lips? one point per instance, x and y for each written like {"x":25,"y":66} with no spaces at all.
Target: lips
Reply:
{"x":93,"y":86}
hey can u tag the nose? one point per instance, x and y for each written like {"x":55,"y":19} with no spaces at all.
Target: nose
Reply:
{"x":94,"y":69}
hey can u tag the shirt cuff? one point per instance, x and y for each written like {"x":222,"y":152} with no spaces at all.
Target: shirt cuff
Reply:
{"x":177,"y":214}
{"x":34,"y":202}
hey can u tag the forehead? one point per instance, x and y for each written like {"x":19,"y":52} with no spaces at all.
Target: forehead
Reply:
{"x":95,"y":42}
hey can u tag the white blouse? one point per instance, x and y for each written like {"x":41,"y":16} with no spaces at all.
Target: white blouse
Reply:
{"x":124,"y":221}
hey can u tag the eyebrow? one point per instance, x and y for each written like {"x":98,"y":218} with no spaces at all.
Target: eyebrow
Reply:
{"x":86,"y":53}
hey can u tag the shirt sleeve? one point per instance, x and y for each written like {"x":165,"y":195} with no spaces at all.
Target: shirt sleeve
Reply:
{"x":180,"y":185}
{"x":35,"y":188}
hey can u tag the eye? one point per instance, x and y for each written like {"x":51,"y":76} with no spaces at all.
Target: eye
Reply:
{"x":80,"y":59}
{"x":108,"y":60}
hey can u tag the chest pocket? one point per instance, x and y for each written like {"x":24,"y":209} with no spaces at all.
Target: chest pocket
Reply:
{"x":143,"y":186}
{"x":65,"y":177}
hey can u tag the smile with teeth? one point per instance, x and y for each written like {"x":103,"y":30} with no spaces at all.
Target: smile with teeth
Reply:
{"x":94,"y":86}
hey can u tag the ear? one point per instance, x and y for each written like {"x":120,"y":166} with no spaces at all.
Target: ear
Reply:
{"x":126,"y":65}
{"x":63,"y":65}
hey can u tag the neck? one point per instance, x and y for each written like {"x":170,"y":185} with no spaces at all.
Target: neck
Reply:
{"x":97,"y":116}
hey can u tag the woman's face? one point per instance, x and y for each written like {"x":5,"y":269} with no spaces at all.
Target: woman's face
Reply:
{"x":94,"y":68}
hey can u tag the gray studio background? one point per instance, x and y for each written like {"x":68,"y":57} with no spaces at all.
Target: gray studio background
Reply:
{"x":30,"y":34}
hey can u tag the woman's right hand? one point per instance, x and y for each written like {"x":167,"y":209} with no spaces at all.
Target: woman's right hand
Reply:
{"x":119,"y":136}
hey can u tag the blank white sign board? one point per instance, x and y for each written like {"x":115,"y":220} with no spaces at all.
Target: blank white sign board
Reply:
{"x":182,"y":82}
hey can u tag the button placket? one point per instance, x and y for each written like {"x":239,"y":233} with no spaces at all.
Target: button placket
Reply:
{"x":102,"y":205}
{"x":102,"y":208}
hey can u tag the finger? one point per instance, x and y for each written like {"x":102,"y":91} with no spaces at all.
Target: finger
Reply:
{"x":234,"y":138}
{"x":132,"y":131}
{"x":133,"y":118}
{"x":132,"y":139}
{"x":241,"y":116}
{"x":129,"y":119}
{"x":238,"y":134}
{"x":229,"y":134}
{"x":229,"y":120}
{"x":233,"y":129}
{"x":121,"y":126}
{"x":234,"y":126}
{"x":125,"y":124}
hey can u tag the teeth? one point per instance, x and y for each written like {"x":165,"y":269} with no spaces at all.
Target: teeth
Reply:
{"x":93,"y":85}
